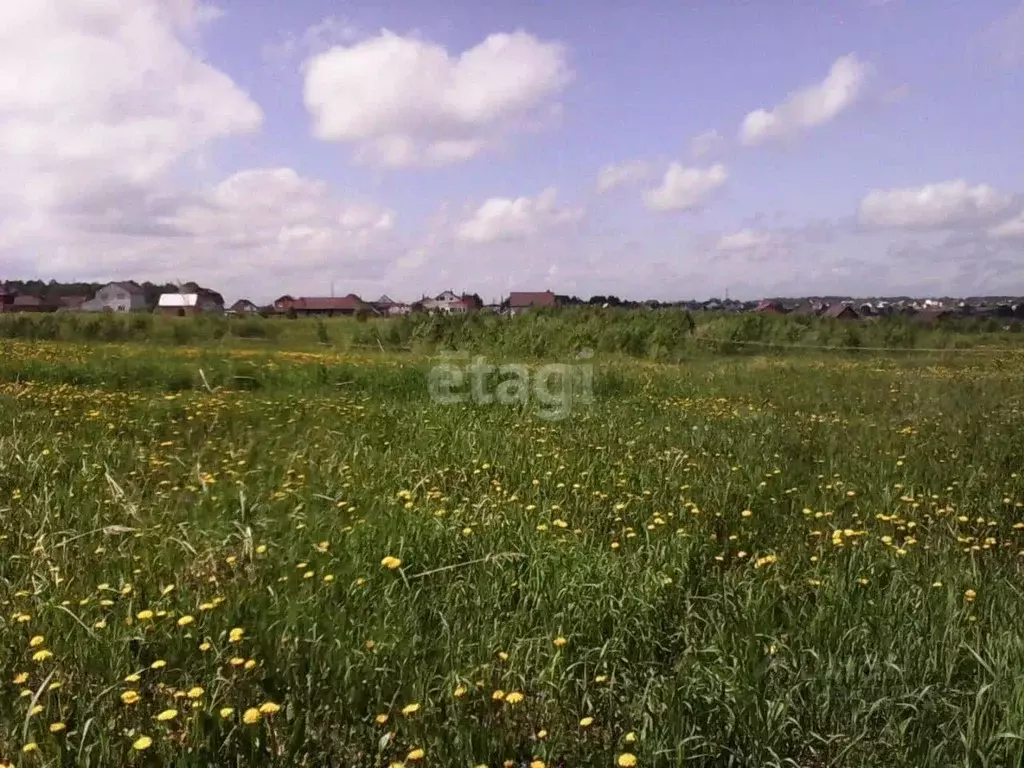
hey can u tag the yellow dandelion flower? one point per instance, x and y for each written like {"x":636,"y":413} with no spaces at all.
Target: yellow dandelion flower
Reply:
{"x":41,"y":656}
{"x":381,"y":719}
{"x":746,"y":513}
{"x":391,"y":563}
{"x":144,"y":615}
{"x":414,"y":755}
{"x":36,"y":641}
{"x":195,"y":692}
{"x":184,"y":621}
{"x":226,"y":712}
{"x":970,"y":595}
{"x":410,"y":709}
{"x":626,"y":760}
{"x":158,"y":664}
{"x":20,"y":678}
{"x":35,"y":710}
{"x":250,"y":664}
{"x":251,"y":716}
{"x":458,"y":693}
{"x":205,"y":646}
{"x":142,"y":743}
{"x":133,"y":678}
{"x":498,"y":695}
{"x":269,"y":708}
{"x":513,"y":698}
{"x":129,"y":697}
{"x":236,"y":661}
{"x":559,"y":642}
{"x":537,"y":764}
{"x":542,"y":734}
{"x":167,"y":714}
{"x":236,"y":634}
{"x":30,"y":747}
{"x":101,"y":624}
{"x":57,"y":727}
{"x":586,"y":722}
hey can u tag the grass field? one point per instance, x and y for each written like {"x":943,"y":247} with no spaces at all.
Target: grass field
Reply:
{"x":297,"y":558}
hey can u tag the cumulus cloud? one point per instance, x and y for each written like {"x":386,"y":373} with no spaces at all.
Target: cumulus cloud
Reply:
{"x":401,"y":101}
{"x":503,"y":218}
{"x":1009,"y":230}
{"x":684,"y":189}
{"x":706,"y":143}
{"x":622,"y":174}
{"x":945,"y":205}
{"x":245,"y":233}
{"x":97,"y":97}
{"x":809,"y":107}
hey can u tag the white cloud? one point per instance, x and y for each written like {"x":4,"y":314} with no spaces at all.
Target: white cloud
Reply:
{"x":102,"y":96}
{"x":622,"y":174}
{"x":706,"y":143}
{"x":248,"y":233}
{"x":746,"y":240}
{"x":810,"y":107}
{"x":683,"y":189}
{"x":402,"y":101}
{"x":946,"y":205}
{"x":1009,"y":230}
{"x":503,"y":218}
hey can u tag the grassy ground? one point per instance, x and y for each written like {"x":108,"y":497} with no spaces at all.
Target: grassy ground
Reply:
{"x":299,"y":559}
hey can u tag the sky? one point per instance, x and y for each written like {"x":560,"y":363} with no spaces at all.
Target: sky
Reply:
{"x":671,"y":149}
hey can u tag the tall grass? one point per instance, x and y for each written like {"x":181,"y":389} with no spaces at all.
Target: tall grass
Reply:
{"x":737,"y":562}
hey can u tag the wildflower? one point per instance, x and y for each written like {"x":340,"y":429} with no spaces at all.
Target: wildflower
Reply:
{"x":410,"y":709}
{"x":141,"y":743}
{"x":542,"y":734}
{"x":269,"y":708}
{"x":133,"y":678}
{"x":537,"y":764}
{"x":629,"y":738}
{"x":626,"y":760}
{"x":513,"y":698}
{"x":236,"y":661}
{"x":57,"y":727}
{"x":195,"y":692}
{"x":144,"y":615}
{"x":226,"y":712}
{"x":158,"y":664}
{"x":20,"y":678}
{"x":251,"y":716}
{"x":414,"y":755}
{"x":167,"y":714}
{"x":746,"y":513}
{"x":559,"y":642}
{"x":969,"y":595}
{"x":391,"y":563}
{"x":236,"y":634}
{"x":458,"y":693}
{"x":250,"y":664}
{"x":101,"y":624}
{"x":586,"y":722}
{"x":130,"y":697}
{"x":41,"y":656}
{"x":766,"y":560}
{"x":381,"y":719}
{"x":184,"y":621}
{"x":36,"y":641}
{"x":498,"y":695}
{"x":205,"y":646}
{"x":30,"y":747}
{"x":35,"y":710}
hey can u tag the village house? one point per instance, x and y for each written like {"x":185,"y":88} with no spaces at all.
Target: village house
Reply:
{"x":188,"y":304}
{"x":322,"y":306}
{"x":448,"y":303}
{"x":116,"y":297}
{"x":841,"y":312}
{"x":243,"y":307}
{"x":770,"y":308}
{"x":385,"y":305}
{"x":522,"y":301}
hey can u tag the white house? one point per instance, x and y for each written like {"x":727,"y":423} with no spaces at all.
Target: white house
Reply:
{"x":448,"y":303}
{"x":116,"y":297}
{"x":182,"y":304}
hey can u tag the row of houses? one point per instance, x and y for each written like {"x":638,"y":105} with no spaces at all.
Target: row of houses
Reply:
{"x":119,"y":297}
{"x":445,"y":303}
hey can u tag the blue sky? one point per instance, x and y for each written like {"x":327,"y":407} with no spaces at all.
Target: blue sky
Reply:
{"x":271,"y":147}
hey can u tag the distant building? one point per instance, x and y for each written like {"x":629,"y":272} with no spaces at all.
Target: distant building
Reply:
{"x":770,"y":308}
{"x":841,"y":312}
{"x":450,"y":303}
{"x":243,"y":307}
{"x":322,"y":306}
{"x":116,"y":297}
{"x":523,"y":301}
{"x":187,"y":304}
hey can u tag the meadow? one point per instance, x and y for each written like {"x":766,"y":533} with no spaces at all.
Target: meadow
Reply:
{"x":286,"y":554}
